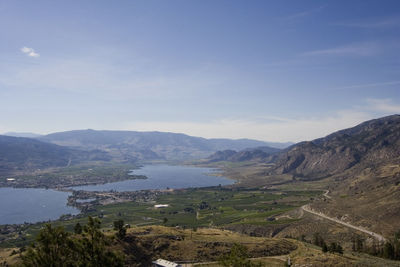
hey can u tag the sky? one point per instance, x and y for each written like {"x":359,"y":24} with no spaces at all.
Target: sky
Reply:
{"x":268,"y":70}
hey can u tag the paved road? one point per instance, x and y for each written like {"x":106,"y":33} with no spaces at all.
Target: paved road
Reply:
{"x":307,"y":208}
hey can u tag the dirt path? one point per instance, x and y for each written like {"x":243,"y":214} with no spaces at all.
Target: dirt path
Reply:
{"x":307,"y":208}
{"x":326,"y":194}
{"x":282,"y":258}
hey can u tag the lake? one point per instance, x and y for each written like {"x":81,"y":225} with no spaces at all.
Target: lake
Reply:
{"x":163,"y":177}
{"x":19,"y":205}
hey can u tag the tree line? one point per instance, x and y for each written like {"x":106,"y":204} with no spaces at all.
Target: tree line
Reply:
{"x":333,"y":247}
{"x":390,"y":249}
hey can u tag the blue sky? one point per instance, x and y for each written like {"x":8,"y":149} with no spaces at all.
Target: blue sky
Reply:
{"x":268,"y":70}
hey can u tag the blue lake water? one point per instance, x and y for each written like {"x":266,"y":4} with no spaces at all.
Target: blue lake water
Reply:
{"x":19,"y":205}
{"x":162,"y":177}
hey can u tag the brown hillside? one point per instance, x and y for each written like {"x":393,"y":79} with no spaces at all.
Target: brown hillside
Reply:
{"x":369,"y":144}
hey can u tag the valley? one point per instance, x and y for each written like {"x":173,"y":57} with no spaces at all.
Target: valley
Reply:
{"x":343,"y":188}
{"x":177,"y":133}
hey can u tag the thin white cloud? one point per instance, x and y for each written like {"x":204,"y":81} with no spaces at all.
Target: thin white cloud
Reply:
{"x":382,"y":23}
{"x":29,"y":52}
{"x":384,"y":105}
{"x":303,"y":14}
{"x":275,"y":129}
{"x":367,"y":85}
{"x":290,"y":130}
{"x":363,"y":49}
{"x":110,"y":81}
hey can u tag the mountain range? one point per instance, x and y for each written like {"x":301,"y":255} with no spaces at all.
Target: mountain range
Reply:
{"x":359,"y":167}
{"x":368,"y":144}
{"x":19,"y":153}
{"x":23,"y":134}
{"x":26,"y":154}
{"x":133,"y":146}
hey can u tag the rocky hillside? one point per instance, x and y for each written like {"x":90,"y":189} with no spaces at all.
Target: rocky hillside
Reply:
{"x":368,"y":144}
{"x":265,"y":154}
{"x":361,"y":171}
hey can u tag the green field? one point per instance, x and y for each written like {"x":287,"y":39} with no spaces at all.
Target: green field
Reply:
{"x":192,"y":208}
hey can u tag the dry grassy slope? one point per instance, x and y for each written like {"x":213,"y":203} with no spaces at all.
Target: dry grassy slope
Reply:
{"x":368,"y":198}
{"x":8,"y":257}
{"x":205,"y":246}
{"x":362,"y":164}
{"x":309,"y":255}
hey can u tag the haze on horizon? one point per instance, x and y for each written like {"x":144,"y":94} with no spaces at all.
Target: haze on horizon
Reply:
{"x":272,"y":71}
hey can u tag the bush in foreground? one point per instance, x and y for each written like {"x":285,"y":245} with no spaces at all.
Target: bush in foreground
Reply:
{"x":56,"y":247}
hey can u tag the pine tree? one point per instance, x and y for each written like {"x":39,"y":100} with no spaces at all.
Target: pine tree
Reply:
{"x":359,"y":243}
{"x":55,"y":247}
{"x":396,"y":245}
{"x":388,"y":250}
{"x":339,"y":249}
{"x":332,"y":247}
{"x":120,"y":228}
{"x":324,"y":247}
{"x":94,"y":246}
{"x":237,"y":257}
{"x":78,"y":229}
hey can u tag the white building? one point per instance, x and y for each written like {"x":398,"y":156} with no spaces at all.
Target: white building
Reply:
{"x":158,"y":206}
{"x":165,"y":263}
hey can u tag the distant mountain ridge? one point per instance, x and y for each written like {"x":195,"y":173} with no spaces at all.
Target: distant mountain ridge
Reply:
{"x":132,"y":145}
{"x":22,"y":154}
{"x":23,"y":134}
{"x":370,"y":143}
{"x":265,"y":154}
{"x":19,"y":154}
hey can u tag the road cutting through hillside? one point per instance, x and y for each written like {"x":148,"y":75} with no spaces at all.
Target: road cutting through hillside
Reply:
{"x":326,"y":194}
{"x":307,"y":208}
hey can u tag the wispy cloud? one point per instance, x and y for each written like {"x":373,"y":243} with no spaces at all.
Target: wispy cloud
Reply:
{"x":362,"y":49}
{"x":107,"y":80}
{"x":271,"y":128}
{"x":387,"y":22}
{"x":384,"y":105}
{"x":289,"y":129}
{"x":302,"y":14}
{"x":367,"y":85}
{"x":29,"y":52}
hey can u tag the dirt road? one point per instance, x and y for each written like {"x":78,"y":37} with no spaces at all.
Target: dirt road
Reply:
{"x":379,"y":237}
{"x":326,"y":194}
